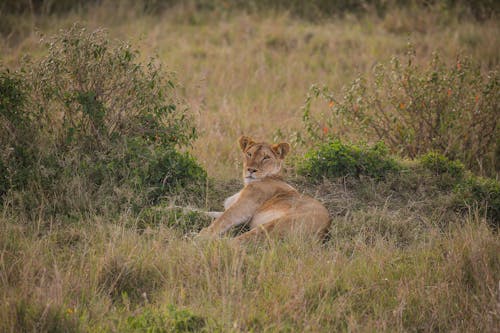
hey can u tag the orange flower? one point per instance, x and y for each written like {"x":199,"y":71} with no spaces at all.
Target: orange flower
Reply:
{"x":459,"y":65}
{"x":477,"y":98}
{"x":331,"y":104}
{"x":325,"y":130}
{"x":401,"y":105}
{"x":449,"y":92}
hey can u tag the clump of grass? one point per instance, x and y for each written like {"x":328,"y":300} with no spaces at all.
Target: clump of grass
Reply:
{"x":29,"y":316}
{"x":469,"y":191}
{"x":129,"y":278}
{"x":336,"y":159}
{"x":147,"y":321}
{"x":182,"y":220}
{"x":171,"y":321}
{"x":482,"y":193}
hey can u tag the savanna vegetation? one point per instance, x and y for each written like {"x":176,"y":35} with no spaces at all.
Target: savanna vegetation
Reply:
{"x":118,"y":128}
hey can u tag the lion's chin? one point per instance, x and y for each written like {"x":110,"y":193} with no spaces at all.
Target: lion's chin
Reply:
{"x":249,"y":180}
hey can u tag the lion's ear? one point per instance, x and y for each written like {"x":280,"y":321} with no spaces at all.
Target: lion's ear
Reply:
{"x":245,"y":142}
{"x":281,"y":149}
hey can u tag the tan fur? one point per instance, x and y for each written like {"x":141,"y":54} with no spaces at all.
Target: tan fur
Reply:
{"x":268,"y":204}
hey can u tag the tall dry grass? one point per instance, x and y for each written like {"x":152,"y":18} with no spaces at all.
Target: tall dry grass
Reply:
{"x":249,"y":74}
{"x":97,"y":276}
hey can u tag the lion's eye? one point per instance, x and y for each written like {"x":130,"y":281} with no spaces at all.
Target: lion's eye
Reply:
{"x":249,"y":154}
{"x":266,"y":158}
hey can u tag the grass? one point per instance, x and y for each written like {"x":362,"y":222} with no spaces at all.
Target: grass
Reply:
{"x":246,"y":74}
{"x":369,"y":276}
{"x":401,"y":255}
{"x":398,"y":258}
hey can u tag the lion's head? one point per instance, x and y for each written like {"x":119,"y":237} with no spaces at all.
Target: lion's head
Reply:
{"x":261,"y":160}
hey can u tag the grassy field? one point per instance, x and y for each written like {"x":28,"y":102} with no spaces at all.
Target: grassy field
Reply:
{"x":248,"y":74}
{"x":406,"y":252}
{"x":398,"y":259}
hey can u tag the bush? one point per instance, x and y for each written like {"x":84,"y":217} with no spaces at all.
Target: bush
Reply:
{"x":439,"y":165}
{"x":89,"y":127}
{"x":483,"y":193}
{"x":452,"y":110}
{"x":174,"y":321}
{"x":185,"y":320}
{"x":445,"y":172}
{"x":148,"y":321}
{"x":336,"y":159}
{"x":15,"y":133}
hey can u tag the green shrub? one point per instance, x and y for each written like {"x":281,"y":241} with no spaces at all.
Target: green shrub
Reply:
{"x":156,"y":171}
{"x":148,"y":321}
{"x":185,"y":320}
{"x":90,"y":127}
{"x":452,"y":110}
{"x":445,"y":172}
{"x":439,"y":165}
{"x":336,"y":159}
{"x":16,"y":136}
{"x":173,"y":321}
{"x":483,"y":193}
{"x":13,"y":98}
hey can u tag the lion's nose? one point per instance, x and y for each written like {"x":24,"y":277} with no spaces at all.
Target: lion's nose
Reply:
{"x":251,"y":170}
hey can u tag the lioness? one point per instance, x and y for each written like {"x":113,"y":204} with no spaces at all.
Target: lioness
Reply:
{"x":266,"y":202}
